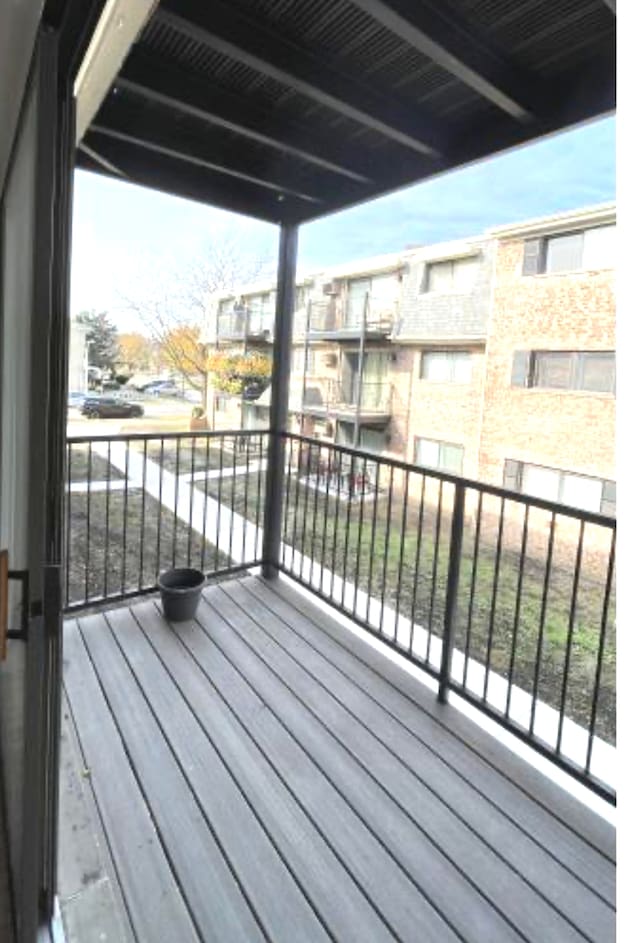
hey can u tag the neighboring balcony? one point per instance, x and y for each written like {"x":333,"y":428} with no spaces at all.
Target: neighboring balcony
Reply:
{"x":246,"y":325}
{"x":264,"y":771}
{"x":375,"y":321}
{"x":368,"y":401}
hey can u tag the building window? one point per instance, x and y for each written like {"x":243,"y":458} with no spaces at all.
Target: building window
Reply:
{"x":302,"y":296}
{"x":592,"y":371}
{"x":298,"y":361}
{"x":564,"y":487}
{"x":446,"y":366}
{"x":221,"y":404}
{"x":444,"y":456}
{"x":227,"y":306}
{"x":452,"y":275}
{"x":588,"y":249}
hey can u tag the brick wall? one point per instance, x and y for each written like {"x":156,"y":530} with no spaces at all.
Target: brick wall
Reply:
{"x":569,"y":430}
{"x":447,"y":412}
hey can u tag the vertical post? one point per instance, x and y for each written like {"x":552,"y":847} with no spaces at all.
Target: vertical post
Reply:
{"x":285,"y":303}
{"x":455,"y":554}
{"x":363,"y":334}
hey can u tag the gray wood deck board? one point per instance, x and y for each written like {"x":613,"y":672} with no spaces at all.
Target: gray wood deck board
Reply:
{"x":210,"y":889}
{"x":91,"y":902}
{"x":328,"y":883}
{"x":265,"y":750}
{"x":267,"y":882}
{"x":535,"y":801}
{"x":537,"y":864}
{"x":155,"y":904}
{"x":408,"y":914}
{"x":416,"y":825}
{"x":439,"y":881}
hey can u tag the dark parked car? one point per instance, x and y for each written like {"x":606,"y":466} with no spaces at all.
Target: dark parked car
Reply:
{"x":108,"y":407}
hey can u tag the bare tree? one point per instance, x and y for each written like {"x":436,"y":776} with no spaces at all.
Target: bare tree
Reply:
{"x":172,"y":304}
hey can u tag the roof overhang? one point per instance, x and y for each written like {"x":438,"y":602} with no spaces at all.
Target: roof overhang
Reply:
{"x":290,"y":111}
{"x":601,"y":215}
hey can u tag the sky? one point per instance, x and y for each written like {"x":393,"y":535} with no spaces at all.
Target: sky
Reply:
{"x":126,"y":237}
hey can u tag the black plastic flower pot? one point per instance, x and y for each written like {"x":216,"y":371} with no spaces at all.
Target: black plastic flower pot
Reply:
{"x":180,"y":591}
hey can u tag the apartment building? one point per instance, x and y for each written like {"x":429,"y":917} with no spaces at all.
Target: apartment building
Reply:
{"x":548,"y":417}
{"x":491,"y":357}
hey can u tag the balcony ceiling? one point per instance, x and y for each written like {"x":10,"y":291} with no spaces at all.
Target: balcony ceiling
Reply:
{"x":288,"y":110}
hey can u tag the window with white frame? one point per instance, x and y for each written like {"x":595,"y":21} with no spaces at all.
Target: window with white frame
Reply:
{"x":452,"y":275}
{"x":586,"y":249}
{"x":592,"y":371}
{"x":298,"y":361}
{"x":445,"y":366}
{"x":564,"y":487}
{"x":445,"y":456}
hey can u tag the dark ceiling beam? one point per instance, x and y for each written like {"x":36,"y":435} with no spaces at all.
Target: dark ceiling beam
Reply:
{"x":161,"y":172}
{"x":441,"y":35}
{"x":158,"y":131}
{"x":585,"y":94}
{"x":170,"y":86}
{"x":102,"y":161}
{"x":232,"y":34}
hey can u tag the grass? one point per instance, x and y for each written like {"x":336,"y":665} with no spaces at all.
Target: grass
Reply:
{"x":101,"y":562}
{"x":331,"y":533}
{"x":389,"y":549}
{"x":184,"y":455}
{"x":79,"y":466}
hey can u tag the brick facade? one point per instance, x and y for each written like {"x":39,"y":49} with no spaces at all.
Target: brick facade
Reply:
{"x":569,"y":430}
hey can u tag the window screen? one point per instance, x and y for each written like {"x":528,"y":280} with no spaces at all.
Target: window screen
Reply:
{"x":564,"y":253}
{"x":446,"y":366}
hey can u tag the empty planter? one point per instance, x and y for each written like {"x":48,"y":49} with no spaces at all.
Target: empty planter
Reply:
{"x":180,"y":592}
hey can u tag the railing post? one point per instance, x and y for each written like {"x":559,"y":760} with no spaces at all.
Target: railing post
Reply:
{"x":285,"y":304}
{"x":451,"y":603}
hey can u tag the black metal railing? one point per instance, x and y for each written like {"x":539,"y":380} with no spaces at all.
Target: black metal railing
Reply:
{"x":506,"y":600}
{"x":139,"y":504}
{"x":243,"y":322}
{"x":331,"y":396}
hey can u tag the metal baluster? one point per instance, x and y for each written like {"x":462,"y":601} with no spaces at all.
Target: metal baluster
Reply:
{"x":335,"y":527}
{"x":233,"y":499}
{"x":385,"y":558}
{"x":472,"y":591}
{"x":205,"y":499}
{"x":572,"y":616}
{"x":434,"y":570}
{"x":416,"y":569}
{"x":347,"y":530}
{"x":142,"y":516}
{"x":285,"y":527}
{"x":326,"y":516}
{"x":123,"y":580}
{"x":451,"y":601}
{"x":600,"y":657}
{"x":258,"y":512}
{"x":306,"y":506}
{"x":494,"y":597}
{"x":516,"y":618}
{"x":160,"y":484}
{"x":363,"y":478}
{"x":220,"y":469}
{"x":87,"y":563}
{"x":246,"y":505}
{"x":191,"y":487}
{"x":403,"y":530}
{"x":543,"y":613}
{"x":374,"y":525}
{"x":176,"y":491}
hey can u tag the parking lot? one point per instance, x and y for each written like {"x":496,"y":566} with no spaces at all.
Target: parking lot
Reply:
{"x":160,"y":413}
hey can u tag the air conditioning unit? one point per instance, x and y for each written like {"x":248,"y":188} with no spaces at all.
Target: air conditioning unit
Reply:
{"x":330,"y":288}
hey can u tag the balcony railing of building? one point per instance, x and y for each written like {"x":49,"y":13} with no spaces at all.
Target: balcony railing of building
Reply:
{"x":506,"y":600}
{"x":244,"y":323}
{"x":334,"y":397}
{"x":374,"y":315}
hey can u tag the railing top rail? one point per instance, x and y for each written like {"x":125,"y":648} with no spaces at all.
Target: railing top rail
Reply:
{"x":147,"y":436}
{"x":589,"y":517}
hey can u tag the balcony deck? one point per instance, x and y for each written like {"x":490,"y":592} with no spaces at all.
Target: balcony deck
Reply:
{"x":264,"y":774}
